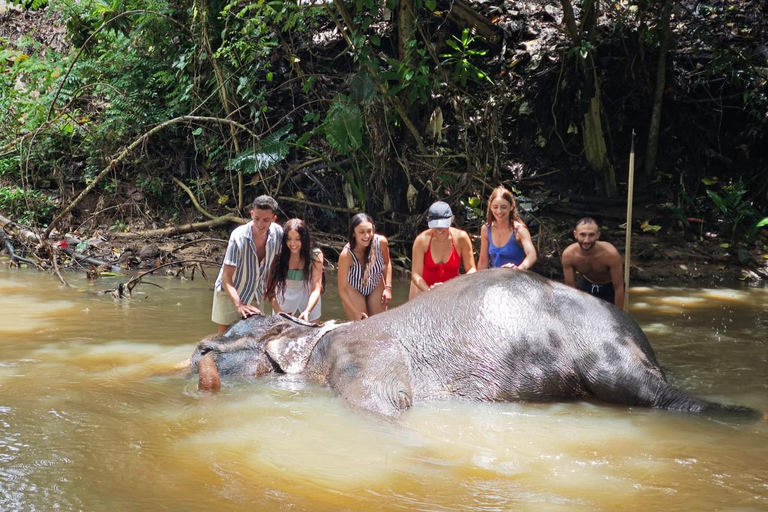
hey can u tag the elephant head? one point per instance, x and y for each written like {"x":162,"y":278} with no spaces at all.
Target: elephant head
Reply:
{"x":257,"y":346}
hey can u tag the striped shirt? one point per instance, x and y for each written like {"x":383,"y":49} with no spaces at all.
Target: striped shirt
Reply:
{"x":250,"y":277}
{"x":357,"y":272}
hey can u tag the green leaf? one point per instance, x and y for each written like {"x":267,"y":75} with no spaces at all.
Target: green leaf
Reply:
{"x":763,"y":222}
{"x":271,"y":150}
{"x":198,"y":131}
{"x":343,"y":126}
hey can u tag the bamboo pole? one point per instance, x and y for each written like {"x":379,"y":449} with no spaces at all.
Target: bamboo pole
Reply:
{"x":630,"y":194}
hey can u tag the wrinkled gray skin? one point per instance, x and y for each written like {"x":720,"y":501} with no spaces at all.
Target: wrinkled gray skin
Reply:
{"x":497,"y":335}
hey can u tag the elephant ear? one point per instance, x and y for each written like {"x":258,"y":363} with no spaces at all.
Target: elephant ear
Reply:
{"x":292,"y":352}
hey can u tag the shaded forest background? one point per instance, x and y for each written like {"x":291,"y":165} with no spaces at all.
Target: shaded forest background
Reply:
{"x":124,"y":119}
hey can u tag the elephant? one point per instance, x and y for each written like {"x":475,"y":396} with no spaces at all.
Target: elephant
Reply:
{"x":494,"y":335}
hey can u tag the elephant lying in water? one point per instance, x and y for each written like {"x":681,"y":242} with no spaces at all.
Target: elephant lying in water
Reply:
{"x":497,"y":335}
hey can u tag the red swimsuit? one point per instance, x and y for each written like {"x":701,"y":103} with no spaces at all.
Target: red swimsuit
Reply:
{"x":434,"y":273}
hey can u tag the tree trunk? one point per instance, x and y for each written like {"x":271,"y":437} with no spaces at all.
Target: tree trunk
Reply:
{"x":593,"y":137}
{"x":595,"y":148}
{"x":661,"y":67}
{"x":406,"y":27}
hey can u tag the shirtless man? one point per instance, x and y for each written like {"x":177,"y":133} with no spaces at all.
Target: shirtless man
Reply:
{"x":598,"y":263}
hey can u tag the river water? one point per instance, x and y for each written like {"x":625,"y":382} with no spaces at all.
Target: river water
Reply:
{"x":91,"y":420}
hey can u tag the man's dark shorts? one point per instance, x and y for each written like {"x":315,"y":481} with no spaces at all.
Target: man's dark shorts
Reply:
{"x":601,"y":291}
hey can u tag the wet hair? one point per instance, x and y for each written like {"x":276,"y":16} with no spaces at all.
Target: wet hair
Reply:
{"x":502,"y":192}
{"x":278,"y":272}
{"x":587,"y":220}
{"x":369,"y":254}
{"x":264,"y":202}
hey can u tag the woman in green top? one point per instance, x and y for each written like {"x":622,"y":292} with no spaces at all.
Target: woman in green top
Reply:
{"x":295,"y":282}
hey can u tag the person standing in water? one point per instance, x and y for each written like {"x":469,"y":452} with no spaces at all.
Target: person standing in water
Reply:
{"x":597,"y":262}
{"x":439,"y":252}
{"x":239,"y":288}
{"x":365,"y":270}
{"x":504,"y":239}
{"x":295,"y":283}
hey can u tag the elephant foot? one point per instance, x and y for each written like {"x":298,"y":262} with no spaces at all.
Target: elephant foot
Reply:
{"x":209,"y":375}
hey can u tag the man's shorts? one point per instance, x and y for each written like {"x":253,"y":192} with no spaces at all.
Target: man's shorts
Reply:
{"x":224,"y":312}
{"x":601,"y":291}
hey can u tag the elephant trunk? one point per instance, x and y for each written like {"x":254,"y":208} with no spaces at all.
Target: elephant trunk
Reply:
{"x":209,"y":374}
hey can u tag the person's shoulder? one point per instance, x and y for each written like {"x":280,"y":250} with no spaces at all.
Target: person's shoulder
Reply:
{"x":317,"y":254}
{"x":570,"y":250}
{"x":239,"y":232}
{"x":460,"y":234}
{"x":276,"y":228}
{"x":520,"y":226}
{"x":422,"y":237}
{"x":382,"y":239}
{"x":609,"y":248}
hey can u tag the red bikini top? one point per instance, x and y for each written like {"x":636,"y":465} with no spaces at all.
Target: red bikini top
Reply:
{"x":434,"y":273}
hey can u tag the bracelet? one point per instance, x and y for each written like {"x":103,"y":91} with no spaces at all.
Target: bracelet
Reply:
{"x":387,"y":286}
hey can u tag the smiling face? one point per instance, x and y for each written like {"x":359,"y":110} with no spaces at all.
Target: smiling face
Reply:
{"x":501,"y":209}
{"x":586,"y":235}
{"x":293,"y":242}
{"x":363,"y":234}
{"x":262,"y":219}
{"x":440,"y":233}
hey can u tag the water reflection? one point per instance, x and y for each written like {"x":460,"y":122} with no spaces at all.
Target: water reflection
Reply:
{"x":90,"y":420}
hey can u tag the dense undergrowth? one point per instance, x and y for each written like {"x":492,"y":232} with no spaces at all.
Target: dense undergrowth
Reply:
{"x":170,"y":112}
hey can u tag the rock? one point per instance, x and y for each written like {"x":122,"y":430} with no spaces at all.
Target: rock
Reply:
{"x":148,"y":252}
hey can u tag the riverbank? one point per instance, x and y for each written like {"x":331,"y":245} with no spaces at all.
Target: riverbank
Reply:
{"x":668,"y":256}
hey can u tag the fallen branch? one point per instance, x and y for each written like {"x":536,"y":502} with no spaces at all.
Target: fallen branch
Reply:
{"x":125,"y":289}
{"x":180,"y":230}
{"x":9,"y":247}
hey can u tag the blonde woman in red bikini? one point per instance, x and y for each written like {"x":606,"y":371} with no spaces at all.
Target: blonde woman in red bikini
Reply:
{"x":439,"y":252}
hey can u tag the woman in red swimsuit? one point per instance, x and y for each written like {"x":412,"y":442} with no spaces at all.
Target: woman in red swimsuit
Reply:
{"x":439,"y":251}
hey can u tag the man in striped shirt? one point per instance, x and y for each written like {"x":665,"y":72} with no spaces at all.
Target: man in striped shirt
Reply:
{"x":242,"y":279}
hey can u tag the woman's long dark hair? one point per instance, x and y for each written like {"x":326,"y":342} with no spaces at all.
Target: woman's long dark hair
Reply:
{"x":279,"y":271}
{"x":369,"y":254}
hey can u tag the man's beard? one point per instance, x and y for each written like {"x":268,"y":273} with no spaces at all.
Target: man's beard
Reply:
{"x":585,"y":247}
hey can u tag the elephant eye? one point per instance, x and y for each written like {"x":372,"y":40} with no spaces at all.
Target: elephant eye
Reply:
{"x":272,"y":332}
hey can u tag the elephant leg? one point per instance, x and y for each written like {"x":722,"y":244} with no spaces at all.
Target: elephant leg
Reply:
{"x":386,"y":391}
{"x":209,"y":374}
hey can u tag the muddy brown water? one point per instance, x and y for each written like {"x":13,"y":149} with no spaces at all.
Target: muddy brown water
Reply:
{"x":89,"y":421}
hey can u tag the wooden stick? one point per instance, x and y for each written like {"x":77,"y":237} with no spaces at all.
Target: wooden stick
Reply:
{"x":630,"y":194}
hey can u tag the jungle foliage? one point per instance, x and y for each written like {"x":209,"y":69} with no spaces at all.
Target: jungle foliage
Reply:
{"x":181,"y":110}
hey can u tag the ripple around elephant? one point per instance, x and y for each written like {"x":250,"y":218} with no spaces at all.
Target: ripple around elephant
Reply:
{"x":496,"y":335}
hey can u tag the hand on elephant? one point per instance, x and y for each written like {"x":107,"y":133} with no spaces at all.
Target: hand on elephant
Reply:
{"x":386,"y":296}
{"x":248,"y":310}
